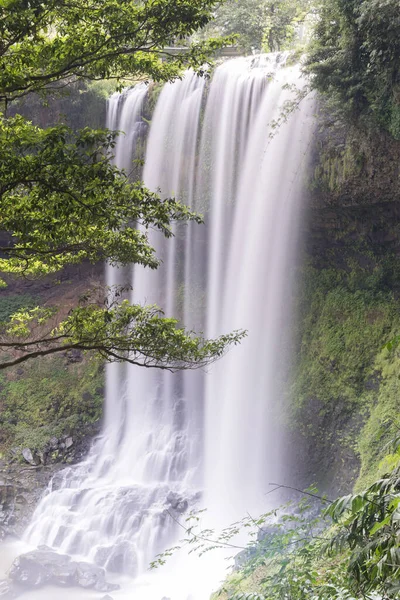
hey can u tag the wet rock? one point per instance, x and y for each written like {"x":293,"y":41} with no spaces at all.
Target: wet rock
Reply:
{"x":20,"y":489}
{"x":68,"y":443}
{"x":22,"y":486}
{"x":30,"y":458}
{"x":44,"y":566}
{"x":93,"y":577}
{"x":89,"y":575}
{"x":53,"y":442}
{"x":7,"y":591}
{"x":65,"y":574}
{"x":267,"y":531}
{"x":173,"y":498}
{"x":7,"y":502}
{"x":123,"y":558}
{"x":243,"y":557}
{"x":27,"y":570}
{"x":182,"y":506}
{"x":104,"y":586}
{"x":177,"y":503}
{"x":102,"y":554}
{"x":42,"y":457}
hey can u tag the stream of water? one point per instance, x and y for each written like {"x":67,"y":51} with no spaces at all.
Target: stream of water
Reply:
{"x":172,"y":443}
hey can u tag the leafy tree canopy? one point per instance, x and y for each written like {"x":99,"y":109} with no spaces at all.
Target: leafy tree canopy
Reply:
{"x":46,"y":42}
{"x":355,"y":58}
{"x":61,"y":199}
{"x":267,"y":25}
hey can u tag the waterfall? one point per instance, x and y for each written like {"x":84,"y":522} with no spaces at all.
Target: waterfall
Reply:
{"x":172,"y":442}
{"x":257,"y":192}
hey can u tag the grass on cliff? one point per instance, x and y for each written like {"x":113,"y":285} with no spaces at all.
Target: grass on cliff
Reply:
{"x":344,"y":373}
{"x":49,"y":397}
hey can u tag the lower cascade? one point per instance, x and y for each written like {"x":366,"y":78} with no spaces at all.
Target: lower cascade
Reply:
{"x":229,"y":148}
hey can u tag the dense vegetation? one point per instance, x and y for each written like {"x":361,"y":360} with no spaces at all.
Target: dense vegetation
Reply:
{"x":345,"y":392}
{"x":47,"y":398}
{"x":355,"y":59}
{"x":261,"y":25}
{"x":349,"y":552}
{"x":62,"y":201}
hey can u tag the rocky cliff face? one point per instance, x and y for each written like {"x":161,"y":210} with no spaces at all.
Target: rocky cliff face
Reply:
{"x":355,"y":194}
{"x":50,"y":408}
{"x":24,"y":476}
{"x":345,"y":392}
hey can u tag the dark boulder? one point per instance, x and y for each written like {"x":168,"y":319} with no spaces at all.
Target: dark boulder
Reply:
{"x":44,"y":566}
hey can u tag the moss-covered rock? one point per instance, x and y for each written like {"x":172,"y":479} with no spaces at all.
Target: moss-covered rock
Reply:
{"x":344,"y":396}
{"x":345,"y":390}
{"x":51,"y":397}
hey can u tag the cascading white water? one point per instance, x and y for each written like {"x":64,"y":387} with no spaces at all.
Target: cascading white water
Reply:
{"x":113,"y":509}
{"x":167,"y":438}
{"x":254,"y":227}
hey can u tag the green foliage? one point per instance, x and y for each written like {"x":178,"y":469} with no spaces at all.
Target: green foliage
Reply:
{"x":269,"y":534}
{"x":248,"y":596}
{"x":382,"y":424}
{"x":369,"y":524}
{"x":355,"y":58}
{"x":267,"y":25}
{"x":285,"y":558}
{"x":100,"y":39}
{"x":346,"y":390}
{"x":114,"y":329}
{"x":337,"y":164}
{"x":344,"y":328}
{"x":153,"y":95}
{"x":81,"y":104}
{"x":49,"y":398}
{"x":65,"y":202}
{"x":14,"y":302}
{"x":62,"y":201}
{"x":282,"y":21}
{"x":350,"y":551}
